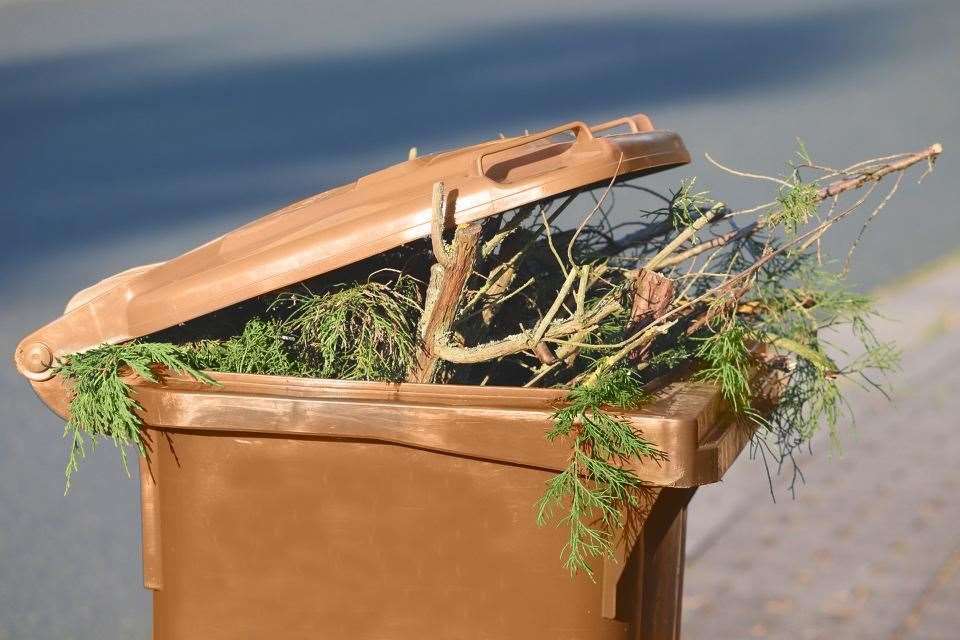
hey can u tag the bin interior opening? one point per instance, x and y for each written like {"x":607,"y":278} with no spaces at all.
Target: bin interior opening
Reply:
{"x":360,"y":322}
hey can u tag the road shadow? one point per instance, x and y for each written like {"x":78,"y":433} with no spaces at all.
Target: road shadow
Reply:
{"x":102,"y":144}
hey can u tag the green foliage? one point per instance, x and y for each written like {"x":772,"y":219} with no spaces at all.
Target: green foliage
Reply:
{"x":362,"y":332}
{"x":809,"y":400}
{"x":687,"y":205}
{"x":262,"y":347}
{"x":595,"y":489}
{"x":795,"y":308}
{"x":725,"y":353}
{"x":802,"y":306}
{"x":797,"y":199}
{"x":798,"y":203}
{"x":101,"y":402}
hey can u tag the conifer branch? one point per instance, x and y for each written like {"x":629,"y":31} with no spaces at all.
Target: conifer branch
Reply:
{"x":664,"y":259}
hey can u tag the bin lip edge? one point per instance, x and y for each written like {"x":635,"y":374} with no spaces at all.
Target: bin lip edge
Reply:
{"x":173,"y":406}
{"x":489,"y":431}
{"x":433,"y":394}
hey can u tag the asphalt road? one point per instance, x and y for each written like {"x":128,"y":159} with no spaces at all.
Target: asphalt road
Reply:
{"x":132,"y":131}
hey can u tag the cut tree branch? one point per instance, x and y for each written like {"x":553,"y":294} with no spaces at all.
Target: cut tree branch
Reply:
{"x":448,"y":277}
{"x":664,"y":259}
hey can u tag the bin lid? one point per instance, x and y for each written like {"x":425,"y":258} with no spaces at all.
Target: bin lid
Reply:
{"x":338,"y":227}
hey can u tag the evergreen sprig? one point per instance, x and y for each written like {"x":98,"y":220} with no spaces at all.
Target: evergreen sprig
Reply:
{"x":359,"y":332}
{"x":594,"y":487}
{"x":725,"y":354}
{"x":799,"y":320}
{"x":798,"y":203}
{"x":101,"y":401}
{"x":365,"y":331}
{"x":686,"y":205}
{"x":263,"y":347}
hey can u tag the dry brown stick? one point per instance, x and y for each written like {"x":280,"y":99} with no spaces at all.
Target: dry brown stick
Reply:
{"x":829,"y":191}
{"x":638,"y":341}
{"x":708,"y":216}
{"x":713,"y":243}
{"x":522,"y":341}
{"x":835,"y":188}
{"x":443,"y":296}
{"x":545,"y":354}
{"x":541,"y":328}
{"x":565,"y":354}
{"x":447,"y":279}
{"x":495,"y":292}
{"x":501,"y":277}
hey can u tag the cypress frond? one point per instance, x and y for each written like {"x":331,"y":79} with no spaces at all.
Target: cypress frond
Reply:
{"x":594,"y":488}
{"x":101,"y":402}
{"x":362,"y":332}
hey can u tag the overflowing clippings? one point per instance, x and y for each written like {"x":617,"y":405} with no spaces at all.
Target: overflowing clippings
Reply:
{"x":598,"y":303}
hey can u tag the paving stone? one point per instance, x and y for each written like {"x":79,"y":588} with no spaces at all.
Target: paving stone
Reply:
{"x":869,"y":548}
{"x":934,"y":615}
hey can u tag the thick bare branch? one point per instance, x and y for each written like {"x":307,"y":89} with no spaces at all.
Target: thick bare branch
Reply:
{"x":930,"y":154}
{"x":523,"y":341}
{"x":437,"y":224}
{"x":443,"y":295}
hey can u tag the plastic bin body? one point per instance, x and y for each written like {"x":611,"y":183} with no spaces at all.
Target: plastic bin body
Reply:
{"x":285,"y":509}
{"x":295,"y":538}
{"x":291,"y":508}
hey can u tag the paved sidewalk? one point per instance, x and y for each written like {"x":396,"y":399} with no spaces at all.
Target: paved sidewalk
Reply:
{"x":871,"y":546}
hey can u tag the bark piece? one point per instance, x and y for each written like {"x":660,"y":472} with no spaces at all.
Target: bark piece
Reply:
{"x":652,"y":295}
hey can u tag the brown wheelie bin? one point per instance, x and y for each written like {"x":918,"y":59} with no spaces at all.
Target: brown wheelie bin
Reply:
{"x":291,"y":508}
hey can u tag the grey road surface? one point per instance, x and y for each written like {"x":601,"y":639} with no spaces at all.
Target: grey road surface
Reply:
{"x":869,"y":549}
{"x":131,"y":131}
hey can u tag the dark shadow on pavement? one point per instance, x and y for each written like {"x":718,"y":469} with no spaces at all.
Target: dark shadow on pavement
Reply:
{"x":102,"y":144}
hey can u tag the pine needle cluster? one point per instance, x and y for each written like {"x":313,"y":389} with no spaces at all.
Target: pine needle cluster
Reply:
{"x":798,"y":202}
{"x":801,"y":320}
{"x":687,"y":204}
{"x":263,"y":347}
{"x":727,"y":362}
{"x":359,"y":332}
{"x":596,"y":488}
{"x":102,"y":404}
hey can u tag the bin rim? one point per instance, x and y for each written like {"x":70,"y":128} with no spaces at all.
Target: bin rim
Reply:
{"x":687,"y":420}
